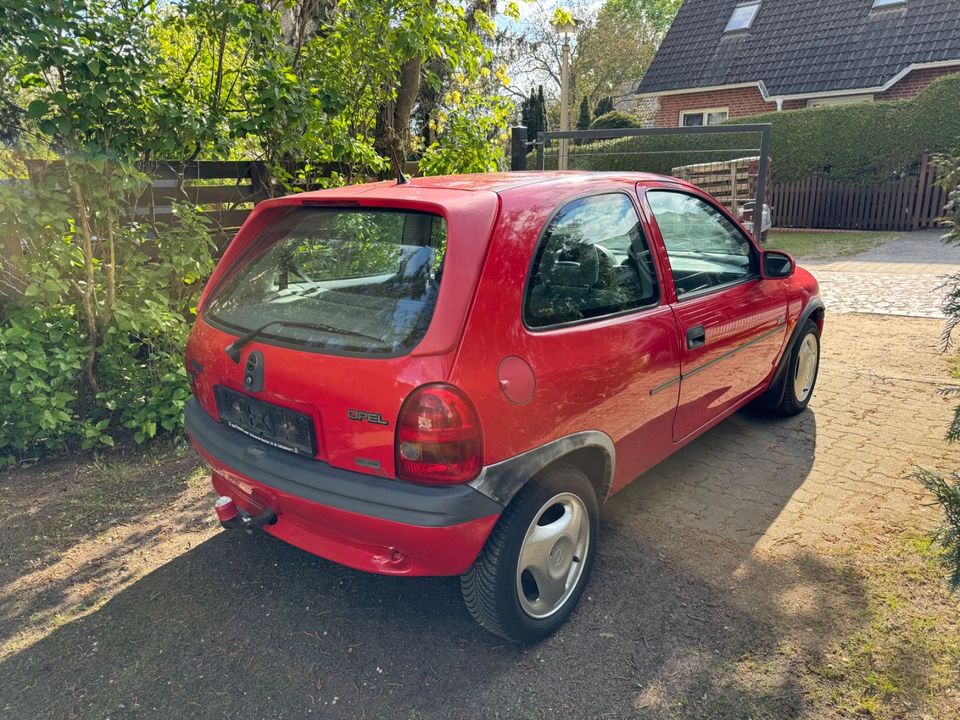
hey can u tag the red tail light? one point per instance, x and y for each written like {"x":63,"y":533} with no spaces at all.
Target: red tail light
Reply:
{"x":438,"y":437}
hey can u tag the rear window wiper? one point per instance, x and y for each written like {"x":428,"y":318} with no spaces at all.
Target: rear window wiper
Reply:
{"x":233,"y":349}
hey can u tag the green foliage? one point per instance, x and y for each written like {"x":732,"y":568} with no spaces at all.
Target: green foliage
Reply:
{"x":471,"y":138}
{"x":946,"y":490}
{"x":533,"y":113}
{"x":658,"y":14}
{"x":93,"y":347}
{"x":46,"y":405}
{"x":865,"y":142}
{"x":41,"y":358}
{"x":615,"y":119}
{"x":656,"y":154}
{"x":604,"y":105}
{"x":583,"y":119}
{"x":615,"y":48}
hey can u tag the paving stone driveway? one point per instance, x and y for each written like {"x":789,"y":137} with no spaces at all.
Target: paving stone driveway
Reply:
{"x":717,"y":586}
{"x":901,"y":277}
{"x":719,"y":560}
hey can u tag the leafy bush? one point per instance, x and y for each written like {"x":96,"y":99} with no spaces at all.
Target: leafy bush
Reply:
{"x":471,"y":135}
{"x":616,"y":119}
{"x":92,"y":347}
{"x":41,"y":360}
{"x":946,"y":491}
{"x":46,"y":402}
{"x":604,"y":105}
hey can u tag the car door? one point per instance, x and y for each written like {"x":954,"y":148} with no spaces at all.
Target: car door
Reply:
{"x":731,"y":322}
{"x":598,"y":328}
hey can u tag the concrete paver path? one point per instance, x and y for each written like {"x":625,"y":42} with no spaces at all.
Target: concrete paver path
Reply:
{"x":904,"y":276}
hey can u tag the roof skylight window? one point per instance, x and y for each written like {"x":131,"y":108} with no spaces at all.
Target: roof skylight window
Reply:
{"x":744,"y":14}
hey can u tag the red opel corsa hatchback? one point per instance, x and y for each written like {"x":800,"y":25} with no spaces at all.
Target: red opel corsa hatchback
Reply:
{"x":447,"y":376}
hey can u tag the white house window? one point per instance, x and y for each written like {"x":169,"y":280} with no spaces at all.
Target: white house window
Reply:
{"x":744,"y":14}
{"x":888,"y":3}
{"x":709,"y":116}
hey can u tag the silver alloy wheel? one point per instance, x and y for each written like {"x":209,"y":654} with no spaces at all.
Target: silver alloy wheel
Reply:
{"x":807,"y":360}
{"x":553,"y":555}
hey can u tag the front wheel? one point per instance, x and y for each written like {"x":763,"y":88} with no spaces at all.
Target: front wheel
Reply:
{"x":802,"y":371}
{"x":535,"y":565}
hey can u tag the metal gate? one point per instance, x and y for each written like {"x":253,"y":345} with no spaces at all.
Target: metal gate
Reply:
{"x":733,"y":180}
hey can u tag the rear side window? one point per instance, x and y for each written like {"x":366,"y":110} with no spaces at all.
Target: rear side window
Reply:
{"x":592,"y":261}
{"x":339,"y":280}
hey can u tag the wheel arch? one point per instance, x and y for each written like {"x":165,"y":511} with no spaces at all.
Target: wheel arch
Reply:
{"x":590,"y":451}
{"x":774,"y":394}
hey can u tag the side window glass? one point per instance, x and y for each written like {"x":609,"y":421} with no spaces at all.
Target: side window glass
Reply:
{"x":593,"y":260}
{"x":705,"y":249}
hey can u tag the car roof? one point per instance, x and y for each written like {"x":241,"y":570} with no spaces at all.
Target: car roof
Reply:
{"x":498,"y":182}
{"x":504,"y":181}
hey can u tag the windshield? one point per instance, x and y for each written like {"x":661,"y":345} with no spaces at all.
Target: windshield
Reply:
{"x":343,"y":280}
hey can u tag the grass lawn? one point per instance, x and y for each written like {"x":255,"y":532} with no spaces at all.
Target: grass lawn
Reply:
{"x":826,"y":243}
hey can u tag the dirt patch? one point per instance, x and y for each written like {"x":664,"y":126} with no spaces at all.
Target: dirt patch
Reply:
{"x":771,"y":569}
{"x":76,"y":534}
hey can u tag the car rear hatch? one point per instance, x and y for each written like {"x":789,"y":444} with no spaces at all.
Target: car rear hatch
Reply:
{"x":329,"y":308}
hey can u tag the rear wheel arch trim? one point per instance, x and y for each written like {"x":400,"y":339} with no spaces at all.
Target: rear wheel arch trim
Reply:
{"x":502,"y":480}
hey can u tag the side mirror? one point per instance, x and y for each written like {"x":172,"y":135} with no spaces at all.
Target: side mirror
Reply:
{"x":776,"y":265}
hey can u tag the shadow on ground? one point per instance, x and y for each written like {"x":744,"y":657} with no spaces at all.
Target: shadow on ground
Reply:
{"x":248,"y":625}
{"x":46,"y":517}
{"x":253,"y":627}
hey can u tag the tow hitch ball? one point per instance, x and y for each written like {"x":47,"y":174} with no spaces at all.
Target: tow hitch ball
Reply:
{"x":232,"y":517}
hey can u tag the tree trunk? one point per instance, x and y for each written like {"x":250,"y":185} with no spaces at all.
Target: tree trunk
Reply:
{"x":88,"y":300}
{"x":393,"y":117}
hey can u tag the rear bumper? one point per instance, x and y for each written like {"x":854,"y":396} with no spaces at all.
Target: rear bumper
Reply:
{"x":368,"y":523}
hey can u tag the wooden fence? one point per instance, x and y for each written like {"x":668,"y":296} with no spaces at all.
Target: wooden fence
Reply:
{"x":225,"y":191}
{"x":731,"y":182}
{"x":911,"y":203}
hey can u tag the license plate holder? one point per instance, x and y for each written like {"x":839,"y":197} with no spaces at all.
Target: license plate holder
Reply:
{"x":274,"y":425}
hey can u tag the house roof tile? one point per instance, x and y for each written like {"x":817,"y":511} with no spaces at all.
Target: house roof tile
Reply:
{"x":803,"y":46}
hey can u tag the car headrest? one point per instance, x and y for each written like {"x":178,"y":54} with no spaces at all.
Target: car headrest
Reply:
{"x":415,"y":260}
{"x":571,"y":265}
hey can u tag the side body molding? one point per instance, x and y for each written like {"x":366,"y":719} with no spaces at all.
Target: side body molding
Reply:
{"x":774,"y":394}
{"x":502,"y":480}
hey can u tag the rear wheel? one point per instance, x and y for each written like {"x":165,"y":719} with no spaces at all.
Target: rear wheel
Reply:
{"x":802,"y":371}
{"x":535,"y":565}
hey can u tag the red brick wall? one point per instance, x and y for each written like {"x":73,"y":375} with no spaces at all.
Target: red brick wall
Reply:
{"x":914,"y":82}
{"x":740,"y":102}
{"x":749,"y":101}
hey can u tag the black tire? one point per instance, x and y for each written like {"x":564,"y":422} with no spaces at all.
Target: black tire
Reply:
{"x":490,"y":587}
{"x":793,"y":403}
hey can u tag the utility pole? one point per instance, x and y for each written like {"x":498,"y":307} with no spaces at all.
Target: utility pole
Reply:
{"x":564,"y":102}
{"x":566,"y":29}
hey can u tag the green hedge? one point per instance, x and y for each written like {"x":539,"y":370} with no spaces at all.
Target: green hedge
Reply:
{"x":654,"y":154}
{"x":867,"y":142}
{"x":616,"y":119}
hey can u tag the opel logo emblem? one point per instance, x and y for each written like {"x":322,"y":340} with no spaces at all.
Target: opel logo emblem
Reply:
{"x":558,"y":555}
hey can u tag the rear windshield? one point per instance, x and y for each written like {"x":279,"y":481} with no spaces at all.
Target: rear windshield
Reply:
{"x":338,"y":280}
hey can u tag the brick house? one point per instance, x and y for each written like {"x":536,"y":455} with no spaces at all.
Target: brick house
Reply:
{"x":730,"y":58}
